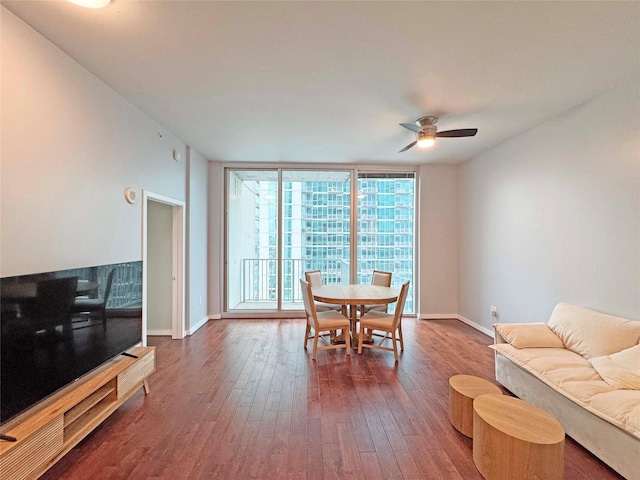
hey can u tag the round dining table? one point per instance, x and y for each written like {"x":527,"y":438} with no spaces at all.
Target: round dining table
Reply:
{"x":353,"y":294}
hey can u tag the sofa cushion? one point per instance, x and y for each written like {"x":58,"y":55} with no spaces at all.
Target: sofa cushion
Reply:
{"x":592,"y":334}
{"x":555,"y":365}
{"x":573,"y":376}
{"x":621,"y":369}
{"x":620,"y":407}
{"x":529,"y":335}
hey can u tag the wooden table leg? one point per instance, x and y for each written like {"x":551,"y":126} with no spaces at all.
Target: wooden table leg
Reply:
{"x":353,"y":321}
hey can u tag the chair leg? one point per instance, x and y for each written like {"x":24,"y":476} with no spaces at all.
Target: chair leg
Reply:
{"x":347,"y":340}
{"x":395,"y":347}
{"x":306,"y":335}
{"x":401,"y":340}
{"x":315,"y":344}
{"x":360,"y":339}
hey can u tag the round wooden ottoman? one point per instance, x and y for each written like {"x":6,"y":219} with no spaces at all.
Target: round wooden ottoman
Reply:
{"x":463,"y":389}
{"x":513,"y":439}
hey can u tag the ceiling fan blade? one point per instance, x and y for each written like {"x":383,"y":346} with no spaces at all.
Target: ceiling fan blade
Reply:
{"x":411,"y":126}
{"x":463,"y":132}
{"x":408,"y":147}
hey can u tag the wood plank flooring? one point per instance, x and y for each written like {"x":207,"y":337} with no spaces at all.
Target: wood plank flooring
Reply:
{"x":241,"y":399}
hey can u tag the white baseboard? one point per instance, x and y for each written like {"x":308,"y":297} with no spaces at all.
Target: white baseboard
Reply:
{"x":195,"y":327}
{"x":437,"y":316}
{"x":448,"y":316}
{"x":480,"y":328}
{"x":159,"y":333}
{"x":217,"y":316}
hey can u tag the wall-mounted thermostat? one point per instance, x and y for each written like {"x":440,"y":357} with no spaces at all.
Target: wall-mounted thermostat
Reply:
{"x":130,"y":195}
{"x":176,"y":156}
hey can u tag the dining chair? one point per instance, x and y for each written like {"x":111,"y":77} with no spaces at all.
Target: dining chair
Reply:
{"x":314,"y":277}
{"x":382,"y":279}
{"x":327,"y":321}
{"x":389,"y":323}
{"x":97,"y":306}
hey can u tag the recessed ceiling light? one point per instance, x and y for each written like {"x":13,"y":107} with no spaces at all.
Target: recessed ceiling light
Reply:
{"x":91,"y":3}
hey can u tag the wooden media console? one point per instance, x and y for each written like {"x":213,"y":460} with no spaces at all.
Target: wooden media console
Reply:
{"x":48,"y":431}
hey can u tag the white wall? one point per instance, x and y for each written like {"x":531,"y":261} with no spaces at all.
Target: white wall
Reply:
{"x":70,"y":147}
{"x":197,"y":254}
{"x":438,"y":239}
{"x":159,"y":268}
{"x":554,"y":215}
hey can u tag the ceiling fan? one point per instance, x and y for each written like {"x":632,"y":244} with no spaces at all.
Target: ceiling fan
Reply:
{"x":426,"y":132}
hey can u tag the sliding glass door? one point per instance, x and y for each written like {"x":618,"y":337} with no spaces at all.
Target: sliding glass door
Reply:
{"x":386,"y":221}
{"x":316,"y":229}
{"x":252,"y":240}
{"x":281,"y":223}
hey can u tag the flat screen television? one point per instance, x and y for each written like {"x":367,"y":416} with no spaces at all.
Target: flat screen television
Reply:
{"x":58,"y":326}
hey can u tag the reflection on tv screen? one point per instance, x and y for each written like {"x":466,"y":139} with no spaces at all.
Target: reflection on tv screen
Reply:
{"x":57,"y":326}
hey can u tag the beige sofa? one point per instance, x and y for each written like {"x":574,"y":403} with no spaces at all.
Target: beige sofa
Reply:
{"x":583,"y":367}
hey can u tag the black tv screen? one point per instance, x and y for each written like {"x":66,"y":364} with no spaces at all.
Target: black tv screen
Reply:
{"x":57,"y":326}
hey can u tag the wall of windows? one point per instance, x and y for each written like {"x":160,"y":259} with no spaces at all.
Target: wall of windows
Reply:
{"x":315,"y":232}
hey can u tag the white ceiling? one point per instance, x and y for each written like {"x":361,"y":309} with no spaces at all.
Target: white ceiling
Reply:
{"x":328,"y":82}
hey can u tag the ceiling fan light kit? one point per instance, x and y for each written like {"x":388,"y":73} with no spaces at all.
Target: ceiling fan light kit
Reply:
{"x":426,"y":139}
{"x":426,"y":132}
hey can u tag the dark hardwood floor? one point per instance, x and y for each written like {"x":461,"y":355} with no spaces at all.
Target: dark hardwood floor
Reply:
{"x":242,"y":399}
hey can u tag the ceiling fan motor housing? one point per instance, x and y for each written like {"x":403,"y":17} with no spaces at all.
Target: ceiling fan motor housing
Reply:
{"x":427,"y":131}
{"x":428,"y":128}
{"x":423,"y":122}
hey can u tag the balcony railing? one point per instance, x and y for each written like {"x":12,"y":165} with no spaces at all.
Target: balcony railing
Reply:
{"x":259,"y":277}
{"x":259,"y":281}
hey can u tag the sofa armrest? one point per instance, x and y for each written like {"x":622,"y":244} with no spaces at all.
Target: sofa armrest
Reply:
{"x":497,"y":338}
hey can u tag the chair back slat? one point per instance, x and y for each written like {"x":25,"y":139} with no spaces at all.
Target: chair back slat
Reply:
{"x":314,"y":277}
{"x":309,"y":305}
{"x":381,"y":278}
{"x":400,"y":304}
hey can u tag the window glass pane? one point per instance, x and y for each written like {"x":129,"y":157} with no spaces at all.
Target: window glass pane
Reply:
{"x":252,"y":267}
{"x":385,"y":229}
{"x":320,"y":202}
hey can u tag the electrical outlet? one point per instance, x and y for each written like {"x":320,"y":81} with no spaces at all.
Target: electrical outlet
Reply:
{"x":494,"y":311}
{"x":200,"y":300}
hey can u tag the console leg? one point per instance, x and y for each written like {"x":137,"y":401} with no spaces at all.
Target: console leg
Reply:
{"x":145,"y":385}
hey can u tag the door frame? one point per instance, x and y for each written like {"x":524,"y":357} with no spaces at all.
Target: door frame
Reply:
{"x":177,"y":262}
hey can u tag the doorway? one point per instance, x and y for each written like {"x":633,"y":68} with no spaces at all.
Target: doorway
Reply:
{"x":163,"y":278}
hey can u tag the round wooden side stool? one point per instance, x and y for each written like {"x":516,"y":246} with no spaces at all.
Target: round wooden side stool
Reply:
{"x":463,"y":389}
{"x":514,"y":440}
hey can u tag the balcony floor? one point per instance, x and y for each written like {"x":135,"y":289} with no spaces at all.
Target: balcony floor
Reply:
{"x":268,"y":306}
